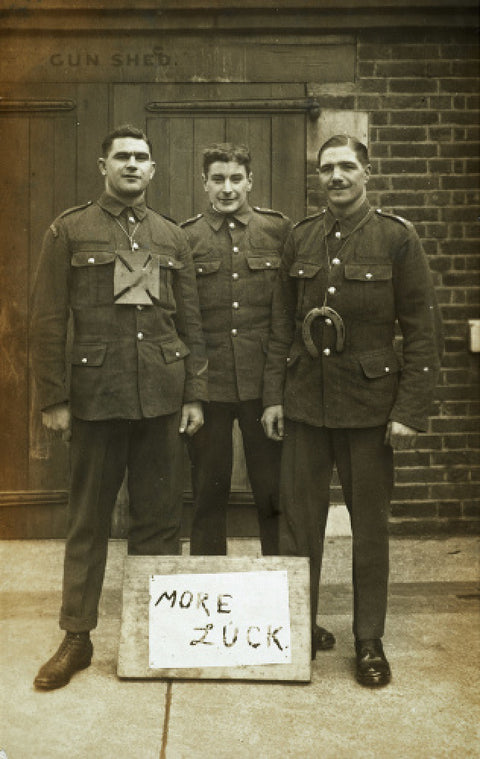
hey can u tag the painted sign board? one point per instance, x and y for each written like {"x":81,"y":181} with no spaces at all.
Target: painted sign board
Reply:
{"x":215,"y":617}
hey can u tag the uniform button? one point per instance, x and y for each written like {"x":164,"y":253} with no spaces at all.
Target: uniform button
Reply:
{"x":268,"y":264}
{"x":338,"y":234}
{"x":234,"y":332}
{"x":335,"y":261}
{"x":387,"y":369}
{"x":426,"y":369}
{"x":328,"y":322}
{"x":84,"y":360}
{"x":301,"y":271}
{"x":368,"y":275}
{"x":235,"y":304}
{"x":326,"y":351}
{"x":170,"y":263}
{"x":332,"y":290}
{"x":139,"y":308}
{"x":235,"y":249}
{"x":135,"y":246}
{"x":140,"y":335}
{"x":200,"y":269}
{"x":234,"y":275}
{"x":231,"y":224}
{"x":131,"y":220}
{"x":177,"y":353}
{"x":91,"y":260}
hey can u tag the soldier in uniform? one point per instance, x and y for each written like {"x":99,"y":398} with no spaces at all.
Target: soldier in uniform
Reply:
{"x":337,"y":392}
{"x":236,"y":251}
{"x":138,"y":376}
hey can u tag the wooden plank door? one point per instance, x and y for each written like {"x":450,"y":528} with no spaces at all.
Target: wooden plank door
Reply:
{"x":48,"y":164}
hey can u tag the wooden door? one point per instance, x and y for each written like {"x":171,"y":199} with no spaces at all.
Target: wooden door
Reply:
{"x":48,"y":164}
{"x":182,"y":119}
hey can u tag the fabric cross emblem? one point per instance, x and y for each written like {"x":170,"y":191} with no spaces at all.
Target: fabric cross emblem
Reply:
{"x":136,"y":279}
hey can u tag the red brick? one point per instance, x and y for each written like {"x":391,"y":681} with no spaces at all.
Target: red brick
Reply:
{"x":457,"y":150}
{"x":454,"y":424}
{"x":458,"y":85}
{"x":413,"y":85}
{"x":459,"y":117}
{"x":403,"y":134}
{"x":399,"y":166}
{"x":420,"y":150}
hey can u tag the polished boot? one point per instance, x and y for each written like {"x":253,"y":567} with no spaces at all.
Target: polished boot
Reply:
{"x":74,"y":654}
{"x":322,"y":640}
{"x":373,"y":668}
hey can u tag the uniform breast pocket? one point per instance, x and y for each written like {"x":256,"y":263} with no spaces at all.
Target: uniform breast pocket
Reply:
{"x":370,"y":288}
{"x":206,"y":270}
{"x":92,"y":277}
{"x":263,"y":268}
{"x":311,"y":280}
{"x":168,"y":266}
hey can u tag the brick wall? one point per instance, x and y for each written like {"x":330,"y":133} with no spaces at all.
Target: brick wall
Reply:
{"x":421,"y":94}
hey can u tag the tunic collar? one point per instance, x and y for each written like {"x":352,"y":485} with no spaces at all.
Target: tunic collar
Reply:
{"x":216,"y":219}
{"x":116,"y":207}
{"x":348,"y":223}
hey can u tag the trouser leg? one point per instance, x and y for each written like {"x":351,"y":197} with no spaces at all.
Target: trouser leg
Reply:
{"x":97,"y":465}
{"x":365,"y":468}
{"x":211,"y":456}
{"x":155,"y":485}
{"x":306,"y":470}
{"x":263,"y":465}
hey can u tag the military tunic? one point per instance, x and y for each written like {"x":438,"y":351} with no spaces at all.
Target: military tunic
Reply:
{"x":341,"y":380}
{"x":236,"y":260}
{"x":126,"y":277}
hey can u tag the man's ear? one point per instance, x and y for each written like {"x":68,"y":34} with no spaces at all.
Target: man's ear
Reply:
{"x":204,"y":180}
{"x":101,"y":166}
{"x":250,"y":181}
{"x":368,"y":172}
{"x":152,"y":170}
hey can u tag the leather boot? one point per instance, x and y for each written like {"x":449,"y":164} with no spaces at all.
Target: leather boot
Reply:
{"x":322,"y":640}
{"x":373,"y":669}
{"x":74,"y":653}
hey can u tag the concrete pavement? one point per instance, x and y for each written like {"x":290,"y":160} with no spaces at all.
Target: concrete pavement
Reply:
{"x":430,"y":710}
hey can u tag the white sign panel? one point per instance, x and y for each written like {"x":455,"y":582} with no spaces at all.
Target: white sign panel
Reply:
{"x":214,"y":620}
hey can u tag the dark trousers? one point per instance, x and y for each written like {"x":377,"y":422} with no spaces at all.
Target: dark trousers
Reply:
{"x":100,"y":453}
{"x":212,"y":456}
{"x":365,"y":468}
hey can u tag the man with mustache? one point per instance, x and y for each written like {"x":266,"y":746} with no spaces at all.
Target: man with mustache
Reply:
{"x":138,"y":376}
{"x":335,"y":389}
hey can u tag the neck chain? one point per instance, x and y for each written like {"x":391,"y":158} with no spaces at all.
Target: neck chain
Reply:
{"x":133,"y":245}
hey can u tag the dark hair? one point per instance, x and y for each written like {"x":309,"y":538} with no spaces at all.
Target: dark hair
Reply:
{"x":342,"y":140}
{"x":226,"y":151}
{"x":125,"y":130}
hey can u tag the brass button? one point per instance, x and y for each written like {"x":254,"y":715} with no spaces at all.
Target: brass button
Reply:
{"x":234,"y":332}
{"x":387,"y":369}
{"x":326,"y":351}
{"x":139,"y":308}
{"x":140,"y":335}
{"x":200,"y":269}
{"x":235,"y":249}
{"x":328,"y":321}
{"x":91,"y":260}
{"x":301,"y":271}
{"x":235,"y":304}
{"x":84,"y":360}
{"x":268,"y":264}
{"x":368,"y":275}
{"x":234,"y":275}
{"x":335,"y":261}
{"x":177,"y":353}
{"x":135,"y":246}
{"x":131,"y":220}
{"x":231,"y":224}
{"x":332,"y":290}
{"x":338,"y":234}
